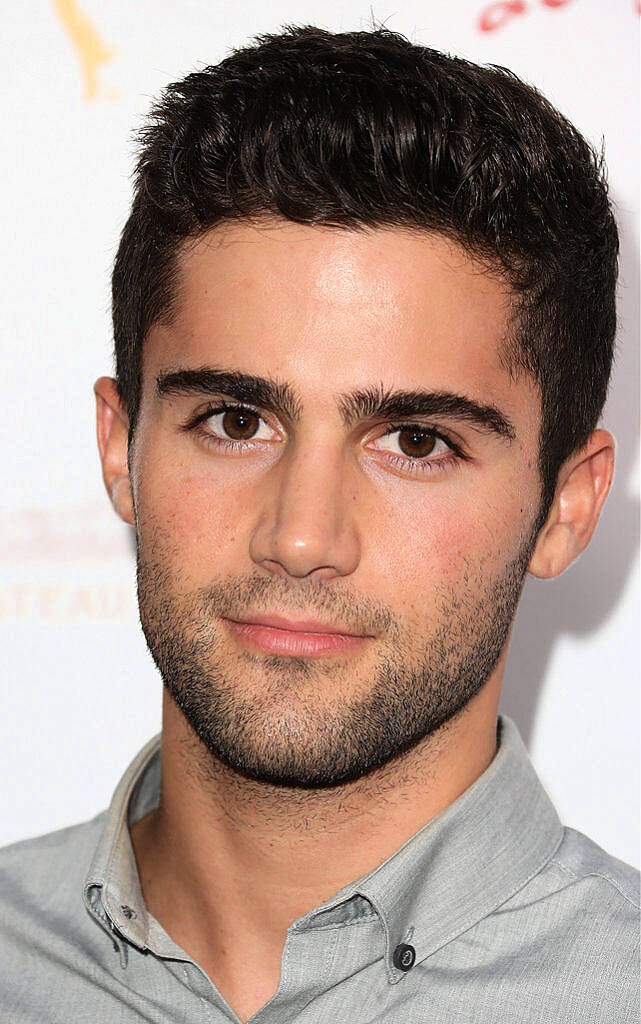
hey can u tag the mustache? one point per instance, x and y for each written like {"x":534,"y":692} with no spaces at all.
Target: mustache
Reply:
{"x":238,"y":596}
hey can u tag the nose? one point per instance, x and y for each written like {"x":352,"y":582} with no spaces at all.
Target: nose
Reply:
{"x":306,"y":527}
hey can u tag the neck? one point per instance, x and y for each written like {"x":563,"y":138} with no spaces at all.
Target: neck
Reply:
{"x":227,"y":865}
{"x":222,"y":842}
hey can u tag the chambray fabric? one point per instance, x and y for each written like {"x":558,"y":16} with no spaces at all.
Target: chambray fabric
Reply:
{"x":513,"y":919}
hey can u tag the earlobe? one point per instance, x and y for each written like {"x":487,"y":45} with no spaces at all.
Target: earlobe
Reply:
{"x":583,"y":485}
{"x":112,"y":428}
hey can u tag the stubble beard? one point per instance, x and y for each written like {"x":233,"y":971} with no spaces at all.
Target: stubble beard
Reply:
{"x":285,"y":721}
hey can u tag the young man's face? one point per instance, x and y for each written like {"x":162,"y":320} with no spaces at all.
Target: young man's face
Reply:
{"x":376,"y":492}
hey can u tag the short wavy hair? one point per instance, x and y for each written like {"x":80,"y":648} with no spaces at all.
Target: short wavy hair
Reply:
{"x":366,"y":129}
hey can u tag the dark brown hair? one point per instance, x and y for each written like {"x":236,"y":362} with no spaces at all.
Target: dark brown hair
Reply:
{"x":368,"y":129}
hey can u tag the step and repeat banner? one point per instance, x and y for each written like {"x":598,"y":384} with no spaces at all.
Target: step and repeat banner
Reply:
{"x":79,"y":691}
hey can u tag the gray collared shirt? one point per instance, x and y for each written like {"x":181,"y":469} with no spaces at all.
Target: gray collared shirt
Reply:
{"x":502,"y":915}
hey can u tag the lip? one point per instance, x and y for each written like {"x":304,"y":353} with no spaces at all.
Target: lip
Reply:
{"x":295,"y":637}
{"x":296,"y":625}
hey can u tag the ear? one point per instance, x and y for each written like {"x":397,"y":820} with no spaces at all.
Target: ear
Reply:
{"x":583,"y":485}
{"x":112,"y":425}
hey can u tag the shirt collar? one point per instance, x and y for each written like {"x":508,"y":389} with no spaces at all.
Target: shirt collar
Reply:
{"x":112,"y":890}
{"x":459,"y":868}
{"x":470,"y":858}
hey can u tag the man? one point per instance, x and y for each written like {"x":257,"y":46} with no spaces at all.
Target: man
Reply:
{"x":364,"y":316}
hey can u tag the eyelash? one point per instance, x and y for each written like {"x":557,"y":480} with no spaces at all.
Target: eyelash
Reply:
{"x":424,"y":465}
{"x":407,"y":464}
{"x":213,"y":410}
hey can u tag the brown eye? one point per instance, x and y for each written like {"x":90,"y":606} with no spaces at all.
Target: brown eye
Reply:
{"x":416,"y":442}
{"x":240,"y":424}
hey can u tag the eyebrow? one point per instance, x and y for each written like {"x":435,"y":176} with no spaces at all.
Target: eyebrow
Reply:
{"x":369,"y":403}
{"x":378,"y":403}
{"x":243,"y":387}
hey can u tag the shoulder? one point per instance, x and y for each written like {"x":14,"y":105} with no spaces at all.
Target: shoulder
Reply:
{"x":41,"y":855}
{"x":568,"y":939}
{"x":606,"y":879}
{"x":48,"y":940}
{"x":578,"y":919}
{"x":47,"y":871}
{"x":584,"y":892}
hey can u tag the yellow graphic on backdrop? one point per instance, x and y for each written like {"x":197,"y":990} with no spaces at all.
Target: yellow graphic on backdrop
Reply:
{"x":91,"y":49}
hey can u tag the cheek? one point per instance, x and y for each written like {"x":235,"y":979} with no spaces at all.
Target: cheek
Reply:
{"x":436,"y":542}
{"x":428,"y":542}
{"x":201,"y":520}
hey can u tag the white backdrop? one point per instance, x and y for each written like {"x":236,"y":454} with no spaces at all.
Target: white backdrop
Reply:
{"x":79,"y":692}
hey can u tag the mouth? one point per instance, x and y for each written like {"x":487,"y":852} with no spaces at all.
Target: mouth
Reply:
{"x":301,"y":638}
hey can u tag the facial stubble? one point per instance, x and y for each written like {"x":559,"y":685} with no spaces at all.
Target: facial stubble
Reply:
{"x":286,"y":721}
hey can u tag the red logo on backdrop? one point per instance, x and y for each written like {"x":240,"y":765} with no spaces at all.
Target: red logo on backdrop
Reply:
{"x":497,"y":15}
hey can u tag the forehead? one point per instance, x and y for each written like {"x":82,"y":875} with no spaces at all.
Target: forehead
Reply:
{"x":329,"y":309}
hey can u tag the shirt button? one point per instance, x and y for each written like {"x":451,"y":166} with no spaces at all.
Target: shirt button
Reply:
{"x":404,"y":957}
